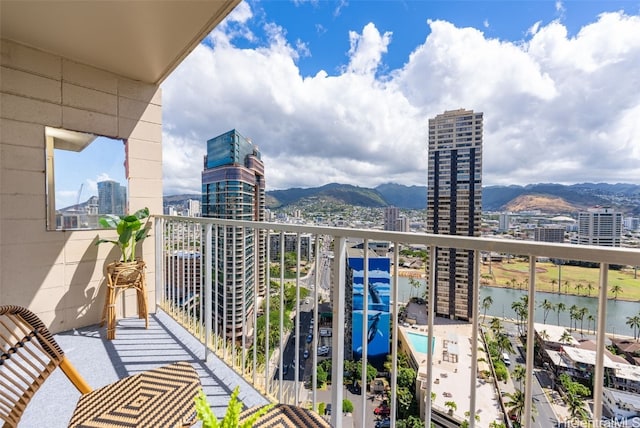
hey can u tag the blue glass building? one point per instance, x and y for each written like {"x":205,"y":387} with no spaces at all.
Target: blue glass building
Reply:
{"x":233,"y":187}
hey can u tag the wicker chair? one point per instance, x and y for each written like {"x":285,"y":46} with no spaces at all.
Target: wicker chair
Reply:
{"x":162,"y":397}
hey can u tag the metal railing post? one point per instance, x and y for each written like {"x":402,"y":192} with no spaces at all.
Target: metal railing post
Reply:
{"x":531,"y":310}
{"x":208,"y":260}
{"x":430,"y":318}
{"x":337,"y":366}
{"x":158,"y":229}
{"x":598,"y":377}
{"x":473,"y":377}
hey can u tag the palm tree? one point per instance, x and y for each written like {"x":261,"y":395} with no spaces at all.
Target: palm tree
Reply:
{"x":581,"y":313}
{"x":589,"y":288}
{"x":486,"y":304}
{"x":519,"y":374}
{"x":573,"y":315}
{"x":566,"y":287}
{"x":615,"y":289}
{"x":566,"y":338}
{"x":496,"y":326}
{"x":504,"y":344}
{"x":591,"y":319}
{"x":634,"y":323}
{"x":553,"y":284}
{"x":546,"y":306}
{"x":575,"y":405}
{"x":579,"y":287}
{"x":560,"y":307}
{"x":515,"y":405}
{"x":517,"y":308}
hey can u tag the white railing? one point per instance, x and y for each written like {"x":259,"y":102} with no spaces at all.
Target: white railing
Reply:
{"x":187,"y":263}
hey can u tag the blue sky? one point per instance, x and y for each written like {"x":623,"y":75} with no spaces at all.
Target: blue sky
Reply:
{"x":342,"y":91}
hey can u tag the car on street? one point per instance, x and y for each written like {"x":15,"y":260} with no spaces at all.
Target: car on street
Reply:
{"x":382,"y":411}
{"x":384,"y":423}
{"x":285,"y":369}
{"x":310,"y":338}
{"x":305,"y":354}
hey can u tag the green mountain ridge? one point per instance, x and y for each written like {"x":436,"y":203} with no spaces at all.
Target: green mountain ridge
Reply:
{"x":622,"y":196}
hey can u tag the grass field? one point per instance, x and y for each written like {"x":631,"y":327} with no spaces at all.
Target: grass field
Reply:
{"x":573,"y":279}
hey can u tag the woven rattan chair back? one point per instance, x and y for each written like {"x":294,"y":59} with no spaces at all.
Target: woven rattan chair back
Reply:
{"x":29,"y":355}
{"x":161,"y":397}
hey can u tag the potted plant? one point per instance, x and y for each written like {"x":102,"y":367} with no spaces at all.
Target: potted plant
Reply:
{"x":128,"y":271}
{"x":232,"y":415}
{"x":130,"y":231}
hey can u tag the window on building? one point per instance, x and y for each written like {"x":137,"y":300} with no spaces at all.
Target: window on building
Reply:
{"x":86,"y":179}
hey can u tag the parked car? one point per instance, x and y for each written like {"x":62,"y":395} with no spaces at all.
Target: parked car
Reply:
{"x":384,"y":423}
{"x":323,"y":350}
{"x":382,"y":411}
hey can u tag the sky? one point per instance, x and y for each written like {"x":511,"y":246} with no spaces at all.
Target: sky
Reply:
{"x":341,"y":91}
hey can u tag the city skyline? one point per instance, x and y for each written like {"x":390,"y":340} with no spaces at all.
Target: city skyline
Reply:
{"x":341,"y":93}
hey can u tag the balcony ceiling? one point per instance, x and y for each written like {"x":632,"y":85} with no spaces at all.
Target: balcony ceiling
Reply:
{"x":141,"y":40}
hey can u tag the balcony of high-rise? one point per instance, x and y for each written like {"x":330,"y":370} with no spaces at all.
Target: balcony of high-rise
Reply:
{"x":58,"y":74}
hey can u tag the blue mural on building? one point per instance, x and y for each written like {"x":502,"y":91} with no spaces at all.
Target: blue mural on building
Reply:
{"x":378,"y":299}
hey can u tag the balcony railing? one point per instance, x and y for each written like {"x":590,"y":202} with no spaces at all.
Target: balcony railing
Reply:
{"x":198,"y":257}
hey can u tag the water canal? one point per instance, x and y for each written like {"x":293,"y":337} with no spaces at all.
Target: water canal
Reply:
{"x":617,"y":310}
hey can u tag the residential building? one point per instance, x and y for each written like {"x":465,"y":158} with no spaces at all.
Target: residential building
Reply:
{"x":233,"y":187}
{"x":549,"y":234}
{"x":600,"y":226}
{"x":503,"y":222}
{"x":184,"y":278}
{"x":112,"y":198}
{"x":290,"y":245}
{"x":193,"y":208}
{"x":454,"y":204}
{"x":394,"y":221}
{"x":391,"y":215}
{"x":631,"y":223}
{"x":621,"y":405}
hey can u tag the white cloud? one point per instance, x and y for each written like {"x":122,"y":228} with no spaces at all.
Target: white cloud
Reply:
{"x":557,"y":108}
{"x":367,"y":49}
{"x":485,"y":23}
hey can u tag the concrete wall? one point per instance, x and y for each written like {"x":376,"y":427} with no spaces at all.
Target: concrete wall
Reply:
{"x":60,"y":274}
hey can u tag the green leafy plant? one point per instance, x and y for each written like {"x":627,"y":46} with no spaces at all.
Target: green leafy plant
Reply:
{"x":232,"y":416}
{"x":130,"y":231}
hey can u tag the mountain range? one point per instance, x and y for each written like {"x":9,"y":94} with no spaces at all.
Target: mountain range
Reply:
{"x":544,"y":197}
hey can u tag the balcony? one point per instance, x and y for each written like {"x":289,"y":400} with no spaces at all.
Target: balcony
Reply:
{"x":209,"y":238}
{"x":134,"y":350}
{"x":190,"y":252}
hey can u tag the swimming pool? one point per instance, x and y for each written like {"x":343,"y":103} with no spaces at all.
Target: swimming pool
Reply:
{"x":419,"y":342}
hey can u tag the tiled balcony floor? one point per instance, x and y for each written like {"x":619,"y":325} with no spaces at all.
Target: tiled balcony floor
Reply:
{"x":135,"y":349}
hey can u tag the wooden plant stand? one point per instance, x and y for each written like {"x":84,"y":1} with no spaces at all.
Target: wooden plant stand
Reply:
{"x":120,"y":277}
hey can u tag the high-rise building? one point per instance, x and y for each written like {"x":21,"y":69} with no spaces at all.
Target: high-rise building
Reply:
{"x":600,"y":226}
{"x":112,"y":197}
{"x":454,"y":204}
{"x":504,"y":221}
{"x":391,"y":215}
{"x":394,"y":221}
{"x":233,"y":187}
{"x":193,"y":208}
